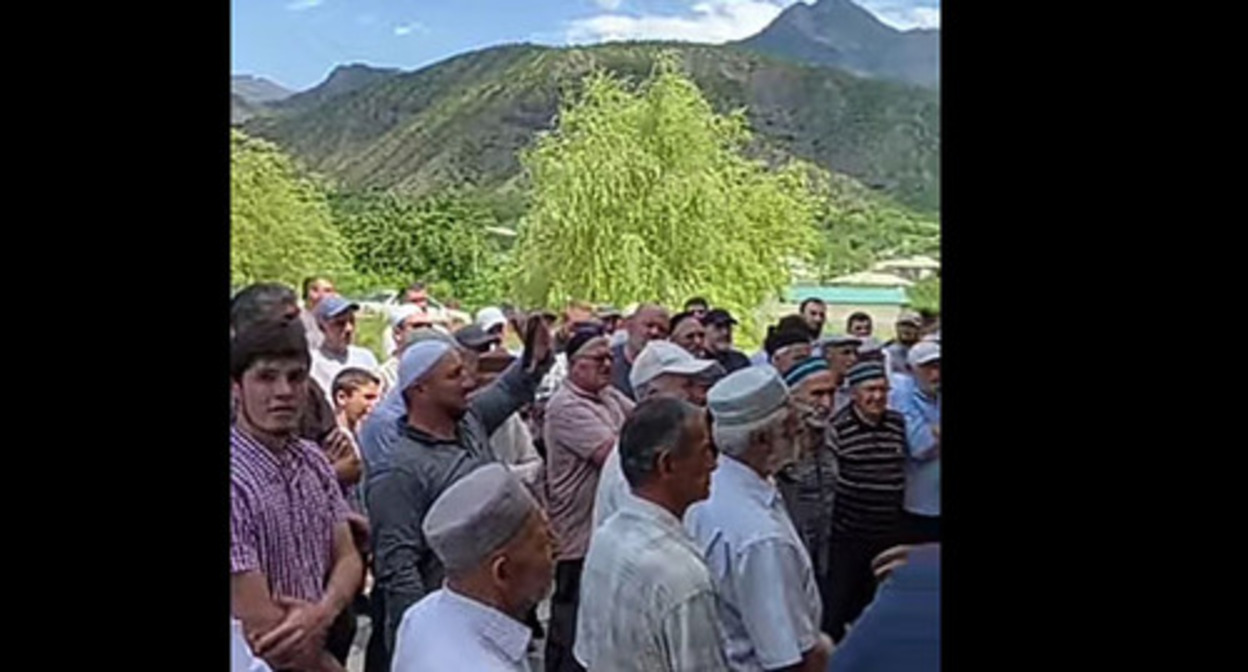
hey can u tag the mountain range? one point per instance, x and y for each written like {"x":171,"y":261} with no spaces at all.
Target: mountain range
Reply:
{"x":841,"y":34}
{"x":463,"y":120}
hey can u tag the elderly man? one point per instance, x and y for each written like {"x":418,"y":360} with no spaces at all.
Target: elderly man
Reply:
{"x":662,"y":370}
{"x":649,"y":323}
{"x":719,"y":324}
{"x":647,"y":601}
{"x":808,"y":484}
{"x":918,"y":400}
{"x":688,"y":332}
{"x":413,"y":455}
{"x":336,"y":316}
{"x":769,"y":602}
{"x":895,"y":351}
{"x":294,"y":568}
{"x":869,"y":442}
{"x":495,"y":543}
{"x":583,"y":419}
{"x":786,"y":347}
{"x":841,"y":353}
{"x":815,"y":313}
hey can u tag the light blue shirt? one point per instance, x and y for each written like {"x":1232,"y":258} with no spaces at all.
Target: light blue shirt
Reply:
{"x":922,"y":412}
{"x":769,"y":603}
{"x":448,"y":631}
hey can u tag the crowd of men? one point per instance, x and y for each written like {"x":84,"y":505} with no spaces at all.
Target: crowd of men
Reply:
{"x":682,"y":505}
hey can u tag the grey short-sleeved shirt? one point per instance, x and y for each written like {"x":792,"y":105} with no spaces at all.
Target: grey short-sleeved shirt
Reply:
{"x":769,"y":603}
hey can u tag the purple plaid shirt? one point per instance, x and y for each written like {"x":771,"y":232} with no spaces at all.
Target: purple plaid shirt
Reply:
{"x":283,"y":509}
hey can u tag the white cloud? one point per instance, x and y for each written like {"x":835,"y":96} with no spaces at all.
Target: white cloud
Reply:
{"x":300,"y":5}
{"x":409,"y":28}
{"x":609,"y":5}
{"x":905,"y":15}
{"x":712,"y":21}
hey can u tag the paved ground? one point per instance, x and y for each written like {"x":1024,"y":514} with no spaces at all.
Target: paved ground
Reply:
{"x":364,"y":628}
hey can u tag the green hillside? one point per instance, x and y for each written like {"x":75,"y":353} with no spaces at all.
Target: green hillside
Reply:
{"x":461,"y":121}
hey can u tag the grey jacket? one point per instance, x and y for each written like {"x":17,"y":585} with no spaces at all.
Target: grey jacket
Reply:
{"x":405,"y":471}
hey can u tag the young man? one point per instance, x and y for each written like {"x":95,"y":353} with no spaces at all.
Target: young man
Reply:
{"x":698,"y":306}
{"x":815,"y":313}
{"x":294,"y":566}
{"x":356,"y":392}
{"x":648,"y":603}
{"x":336,"y":317}
{"x":583,"y":420}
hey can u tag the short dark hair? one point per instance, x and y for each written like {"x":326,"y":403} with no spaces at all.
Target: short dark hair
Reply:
{"x":416,"y":287}
{"x":655,"y":424}
{"x":678,"y":318}
{"x":351,"y":379}
{"x":259,"y":302}
{"x":810,"y":300}
{"x":307,"y":285}
{"x":271,"y":339}
{"x":857,"y":317}
{"x":697,"y":301}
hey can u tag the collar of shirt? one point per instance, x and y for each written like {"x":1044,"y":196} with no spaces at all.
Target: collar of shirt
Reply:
{"x":283,"y":459}
{"x":745,"y":480}
{"x":597,"y":398}
{"x":509,"y":636}
{"x":643,"y":508}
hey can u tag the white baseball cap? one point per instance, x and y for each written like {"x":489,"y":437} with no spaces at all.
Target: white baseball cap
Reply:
{"x":488,"y":318}
{"x":924,"y":352}
{"x":661,"y":357}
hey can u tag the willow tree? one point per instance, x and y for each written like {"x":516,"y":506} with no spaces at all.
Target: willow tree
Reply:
{"x":646,"y":194}
{"x":280,"y":224}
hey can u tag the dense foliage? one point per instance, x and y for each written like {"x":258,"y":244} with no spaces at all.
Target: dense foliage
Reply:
{"x":441,"y":239}
{"x":646,"y":195}
{"x":280,"y":223}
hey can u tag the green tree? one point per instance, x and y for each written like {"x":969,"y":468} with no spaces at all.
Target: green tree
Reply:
{"x":925,"y":294}
{"x":858,"y":228}
{"x":441,"y":240}
{"x":280,"y":225}
{"x":645,"y":195}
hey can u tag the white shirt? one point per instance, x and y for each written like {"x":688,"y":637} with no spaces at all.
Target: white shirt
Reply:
{"x":448,"y":632}
{"x":241,"y":657}
{"x":513,"y":446}
{"x":648,"y":603}
{"x":326,"y":367}
{"x":612,"y":489}
{"x":769,"y":603}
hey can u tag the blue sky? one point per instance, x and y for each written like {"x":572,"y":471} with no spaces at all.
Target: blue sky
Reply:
{"x":296,"y":43}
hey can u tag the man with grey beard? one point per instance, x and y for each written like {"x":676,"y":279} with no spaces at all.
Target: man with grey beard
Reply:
{"x":769,"y":602}
{"x":808,"y":484}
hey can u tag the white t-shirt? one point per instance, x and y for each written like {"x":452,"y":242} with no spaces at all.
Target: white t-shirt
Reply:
{"x":326,"y":367}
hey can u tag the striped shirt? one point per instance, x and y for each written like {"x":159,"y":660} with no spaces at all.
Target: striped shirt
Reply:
{"x":283,"y":509}
{"x":871,"y":473}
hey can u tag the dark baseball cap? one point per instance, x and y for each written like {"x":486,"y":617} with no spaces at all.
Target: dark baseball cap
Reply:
{"x":719,"y":317}
{"x":474,"y":337}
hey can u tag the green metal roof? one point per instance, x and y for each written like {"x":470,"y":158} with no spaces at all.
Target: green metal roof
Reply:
{"x":844,"y":294}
